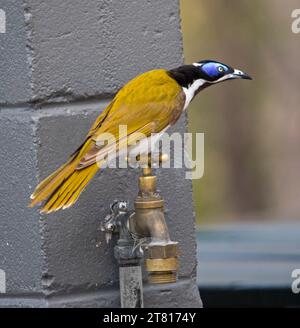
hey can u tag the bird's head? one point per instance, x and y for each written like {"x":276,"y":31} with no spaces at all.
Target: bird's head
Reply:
{"x":198,"y":76}
{"x":214,"y":72}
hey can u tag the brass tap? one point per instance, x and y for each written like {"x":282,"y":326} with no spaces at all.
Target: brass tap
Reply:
{"x":148,"y":221}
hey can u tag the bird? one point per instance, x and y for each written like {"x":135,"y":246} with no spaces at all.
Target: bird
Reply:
{"x":148,"y":104}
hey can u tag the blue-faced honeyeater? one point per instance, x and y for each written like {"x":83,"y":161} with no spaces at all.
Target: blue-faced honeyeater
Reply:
{"x":148,"y":104}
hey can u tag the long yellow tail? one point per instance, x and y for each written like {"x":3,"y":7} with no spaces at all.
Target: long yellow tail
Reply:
{"x":63,"y":187}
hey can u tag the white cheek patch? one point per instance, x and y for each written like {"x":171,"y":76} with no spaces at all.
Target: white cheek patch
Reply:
{"x":190,"y":91}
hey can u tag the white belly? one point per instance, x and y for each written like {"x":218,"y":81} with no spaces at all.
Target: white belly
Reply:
{"x":146,"y":145}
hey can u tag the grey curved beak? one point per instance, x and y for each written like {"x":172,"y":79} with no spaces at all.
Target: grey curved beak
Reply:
{"x":237,"y":74}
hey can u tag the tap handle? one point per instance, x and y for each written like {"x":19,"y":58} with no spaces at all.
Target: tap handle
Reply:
{"x":110,"y":224}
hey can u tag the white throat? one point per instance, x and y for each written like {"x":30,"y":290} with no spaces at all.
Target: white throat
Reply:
{"x":190,"y":91}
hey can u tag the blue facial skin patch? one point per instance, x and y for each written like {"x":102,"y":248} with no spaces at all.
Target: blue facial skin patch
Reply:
{"x":211,"y":69}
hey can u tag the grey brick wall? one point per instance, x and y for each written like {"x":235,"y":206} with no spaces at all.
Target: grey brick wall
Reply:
{"x":60,"y":63}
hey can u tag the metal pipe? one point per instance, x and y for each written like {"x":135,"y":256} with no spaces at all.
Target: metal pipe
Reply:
{"x":129,"y":258}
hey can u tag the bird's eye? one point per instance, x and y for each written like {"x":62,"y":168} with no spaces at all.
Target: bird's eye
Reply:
{"x":221,"y":69}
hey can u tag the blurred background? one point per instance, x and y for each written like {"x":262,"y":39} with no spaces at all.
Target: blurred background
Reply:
{"x":248,"y":202}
